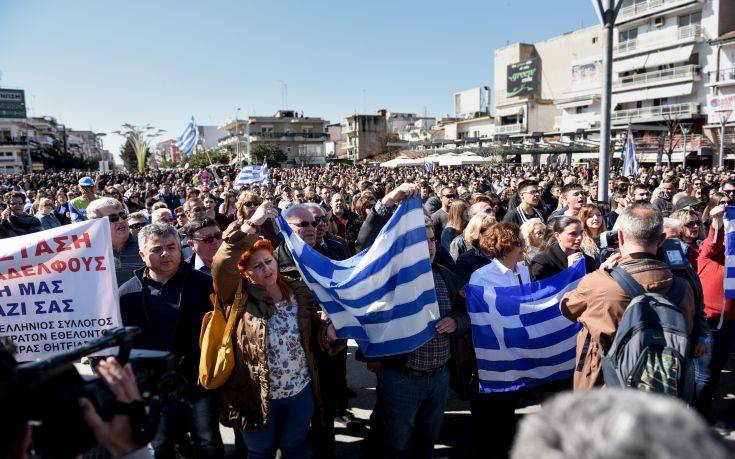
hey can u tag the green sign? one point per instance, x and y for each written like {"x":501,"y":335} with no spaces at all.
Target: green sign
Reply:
{"x":12,"y":103}
{"x":523,"y":78}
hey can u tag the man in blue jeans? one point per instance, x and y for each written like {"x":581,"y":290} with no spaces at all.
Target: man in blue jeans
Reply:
{"x":413,"y":388}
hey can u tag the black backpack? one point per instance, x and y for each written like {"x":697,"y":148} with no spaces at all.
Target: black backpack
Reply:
{"x":652,"y":350}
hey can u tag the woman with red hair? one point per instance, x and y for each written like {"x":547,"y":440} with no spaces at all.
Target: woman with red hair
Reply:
{"x":273,"y":389}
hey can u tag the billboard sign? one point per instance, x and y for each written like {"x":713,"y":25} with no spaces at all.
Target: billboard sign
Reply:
{"x":523,"y":78}
{"x":719,"y":103}
{"x":12,"y":103}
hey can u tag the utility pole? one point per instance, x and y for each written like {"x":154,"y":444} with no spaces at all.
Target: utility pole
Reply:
{"x":685,"y":127}
{"x":607,"y":12}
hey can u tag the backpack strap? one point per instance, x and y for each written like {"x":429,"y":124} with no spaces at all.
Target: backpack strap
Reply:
{"x":676,"y":292}
{"x":631,"y":287}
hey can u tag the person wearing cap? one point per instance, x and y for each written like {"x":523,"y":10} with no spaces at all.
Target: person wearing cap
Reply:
{"x":78,"y":206}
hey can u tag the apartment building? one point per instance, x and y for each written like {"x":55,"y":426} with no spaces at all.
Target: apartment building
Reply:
{"x":301,"y":138}
{"x":365,"y":136}
{"x":720,"y":83}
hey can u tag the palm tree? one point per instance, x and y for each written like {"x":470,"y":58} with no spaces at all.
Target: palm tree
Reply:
{"x":139,"y":137}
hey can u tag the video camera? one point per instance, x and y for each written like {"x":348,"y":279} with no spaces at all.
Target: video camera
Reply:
{"x":51,"y":390}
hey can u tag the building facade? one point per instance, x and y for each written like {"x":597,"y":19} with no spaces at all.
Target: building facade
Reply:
{"x":365,"y":136}
{"x":301,"y":138}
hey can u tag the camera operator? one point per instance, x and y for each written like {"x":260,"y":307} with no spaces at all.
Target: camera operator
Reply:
{"x":116,"y":435}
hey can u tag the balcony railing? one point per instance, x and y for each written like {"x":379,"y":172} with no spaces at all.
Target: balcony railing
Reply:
{"x":686,"y":71}
{"x":723,"y":76}
{"x":641,"y":8}
{"x":675,"y":111}
{"x":13,"y":140}
{"x":510,"y":128}
{"x":288,"y":135}
{"x":574,"y":121}
{"x":659,"y":38}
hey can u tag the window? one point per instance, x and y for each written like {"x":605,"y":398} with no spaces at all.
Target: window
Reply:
{"x":627,"y":35}
{"x":689,"y":19}
{"x":594,"y":40}
{"x":658,"y":23}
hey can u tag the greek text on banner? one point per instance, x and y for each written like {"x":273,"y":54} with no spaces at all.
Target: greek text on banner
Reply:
{"x":57,"y":289}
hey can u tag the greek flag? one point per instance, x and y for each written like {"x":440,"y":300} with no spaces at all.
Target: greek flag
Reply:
{"x":729,"y":252}
{"x":630,"y":160}
{"x":251,"y":174}
{"x":384,"y":296}
{"x":521,"y":339}
{"x":429,"y":167}
{"x":188,"y":139}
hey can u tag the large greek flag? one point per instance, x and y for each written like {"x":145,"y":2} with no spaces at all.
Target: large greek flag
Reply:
{"x":251,"y":174}
{"x":729,"y":252}
{"x":521,"y":339}
{"x":630,"y":160}
{"x":384,"y":296}
{"x":188,"y":139}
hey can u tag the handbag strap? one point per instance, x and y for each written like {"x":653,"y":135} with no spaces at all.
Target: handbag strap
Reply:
{"x":240,"y":298}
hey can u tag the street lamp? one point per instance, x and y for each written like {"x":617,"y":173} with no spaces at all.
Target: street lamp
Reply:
{"x":607,"y":12}
{"x":724,"y":116}
{"x":237,"y":135}
{"x":685,"y":129}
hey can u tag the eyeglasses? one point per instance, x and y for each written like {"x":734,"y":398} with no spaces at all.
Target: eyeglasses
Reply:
{"x":250,"y":204}
{"x":210,"y":239}
{"x":305,"y":224}
{"x":320,"y":219}
{"x":693,"y":224}
{"x":534,"y":192}
{"x":114,"y":218}
{"x":137,"y":226}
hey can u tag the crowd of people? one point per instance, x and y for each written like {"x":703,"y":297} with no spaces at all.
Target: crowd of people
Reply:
{"x":180,"y":235}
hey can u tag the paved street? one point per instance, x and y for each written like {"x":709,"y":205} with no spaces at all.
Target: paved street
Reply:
{"x":455,"y":432}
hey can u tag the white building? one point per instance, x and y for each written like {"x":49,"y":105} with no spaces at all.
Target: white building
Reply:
{"x":482,"y":127}
{"x":301,"y":138}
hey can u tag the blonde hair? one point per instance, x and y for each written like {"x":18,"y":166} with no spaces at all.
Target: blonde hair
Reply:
{"x":528,"y":226}
{"x":472,"y":230}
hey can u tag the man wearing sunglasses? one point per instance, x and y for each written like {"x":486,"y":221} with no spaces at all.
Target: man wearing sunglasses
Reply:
{"x":447,"y":194}
{"x":136,"y":222}
{"x":124,"y":245}
{"x":302,"y":222}
{"x":194,"y":208}
{"x":204,"y":237}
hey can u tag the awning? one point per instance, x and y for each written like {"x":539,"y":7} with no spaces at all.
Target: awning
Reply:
{"x":565,"y":104}
{"x":674,"y":90}
{"x":515,"y":110}
{"x":666,"y":56}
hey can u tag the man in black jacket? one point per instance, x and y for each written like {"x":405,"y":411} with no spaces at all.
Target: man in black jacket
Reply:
{"x":413,"y":387}
{"x":167,"y":300}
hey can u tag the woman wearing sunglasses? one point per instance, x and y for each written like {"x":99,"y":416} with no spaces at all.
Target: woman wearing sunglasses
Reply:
{"x":273,"y":389}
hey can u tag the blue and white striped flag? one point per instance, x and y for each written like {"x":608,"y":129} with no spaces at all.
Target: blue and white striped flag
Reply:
{"x":630,"y":160}
{"x":521,"y":339}
{"x":729,"y":252}
{"x":384,"y":296}
{"x":251,"y":174}
{"x":429,"y":167}
{"x":188,"y":139}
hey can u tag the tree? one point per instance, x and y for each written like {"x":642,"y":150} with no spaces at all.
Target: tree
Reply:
{"x":268,"y":152}
{"x":139,"y":138}
{"x":204,"y":158}
{"x":53,"y":157}
{"x":673,"y":124}
{"x":130,"y":157}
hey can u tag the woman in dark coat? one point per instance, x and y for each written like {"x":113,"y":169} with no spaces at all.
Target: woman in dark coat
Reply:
{"x":564,"y":250}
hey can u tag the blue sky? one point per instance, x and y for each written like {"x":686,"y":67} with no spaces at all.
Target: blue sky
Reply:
{"x":98,"y":64}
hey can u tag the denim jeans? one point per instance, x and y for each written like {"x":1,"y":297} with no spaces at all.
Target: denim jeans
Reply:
{"x":197,"y":414}
{"x":288,"y":428}
{"x":709,"y":366}
{"x":412,"y":410}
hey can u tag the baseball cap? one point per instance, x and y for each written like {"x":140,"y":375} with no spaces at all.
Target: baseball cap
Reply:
{"x":686,"y":201}
{"x":86,"y":181}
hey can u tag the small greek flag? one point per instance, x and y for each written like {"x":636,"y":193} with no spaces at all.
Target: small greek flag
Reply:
{"x":384,"y":296}
{"x":521,"y":339}
{"x":630,"y":160}
{"x":188,"y":139}
{"x":729,"y":252}
{"x":251,"y":174}
{"x":429,"y":167}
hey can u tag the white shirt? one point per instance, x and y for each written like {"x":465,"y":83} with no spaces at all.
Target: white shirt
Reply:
{"x":496,"y":274}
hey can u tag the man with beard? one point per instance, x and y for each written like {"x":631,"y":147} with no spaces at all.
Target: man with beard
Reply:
{"x":663,"y":202}
{"x":124,"y":244}
{"x":341,"y":215}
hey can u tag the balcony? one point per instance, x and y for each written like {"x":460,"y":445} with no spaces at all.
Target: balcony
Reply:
{"x":287,"y":136}
{"x":570,"y":122}
{"x":660,"y":113}
{"x":14,"y":141}
{"x":649,"y":7}
{"x":515,"y":128}
{"x":724,"y":77}
{"x":684,"y":73}
{"x":665,"y":38}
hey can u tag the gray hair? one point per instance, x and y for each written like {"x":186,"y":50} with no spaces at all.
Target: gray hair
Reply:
{"x":94,"y":207}
{"x":156,"y":229}
{"x":673,"y":223}
{"x":615,"y":424}
{"x":313,"y":206}
{"x":641,"y":223}
{"x":296,"y":210}
{"x":156,"y":213}
{"x":138,"y":215}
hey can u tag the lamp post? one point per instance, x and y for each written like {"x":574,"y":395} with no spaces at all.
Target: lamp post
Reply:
{"x":724,"y":116}
{"x":607,"y":13}
{"x":685,"y":128}
{"x":237,"y":135}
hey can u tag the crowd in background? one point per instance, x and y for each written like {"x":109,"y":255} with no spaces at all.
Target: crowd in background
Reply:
{"x":529,"y":222}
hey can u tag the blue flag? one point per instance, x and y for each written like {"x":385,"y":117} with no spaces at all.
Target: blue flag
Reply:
{"x":521,"y":339}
